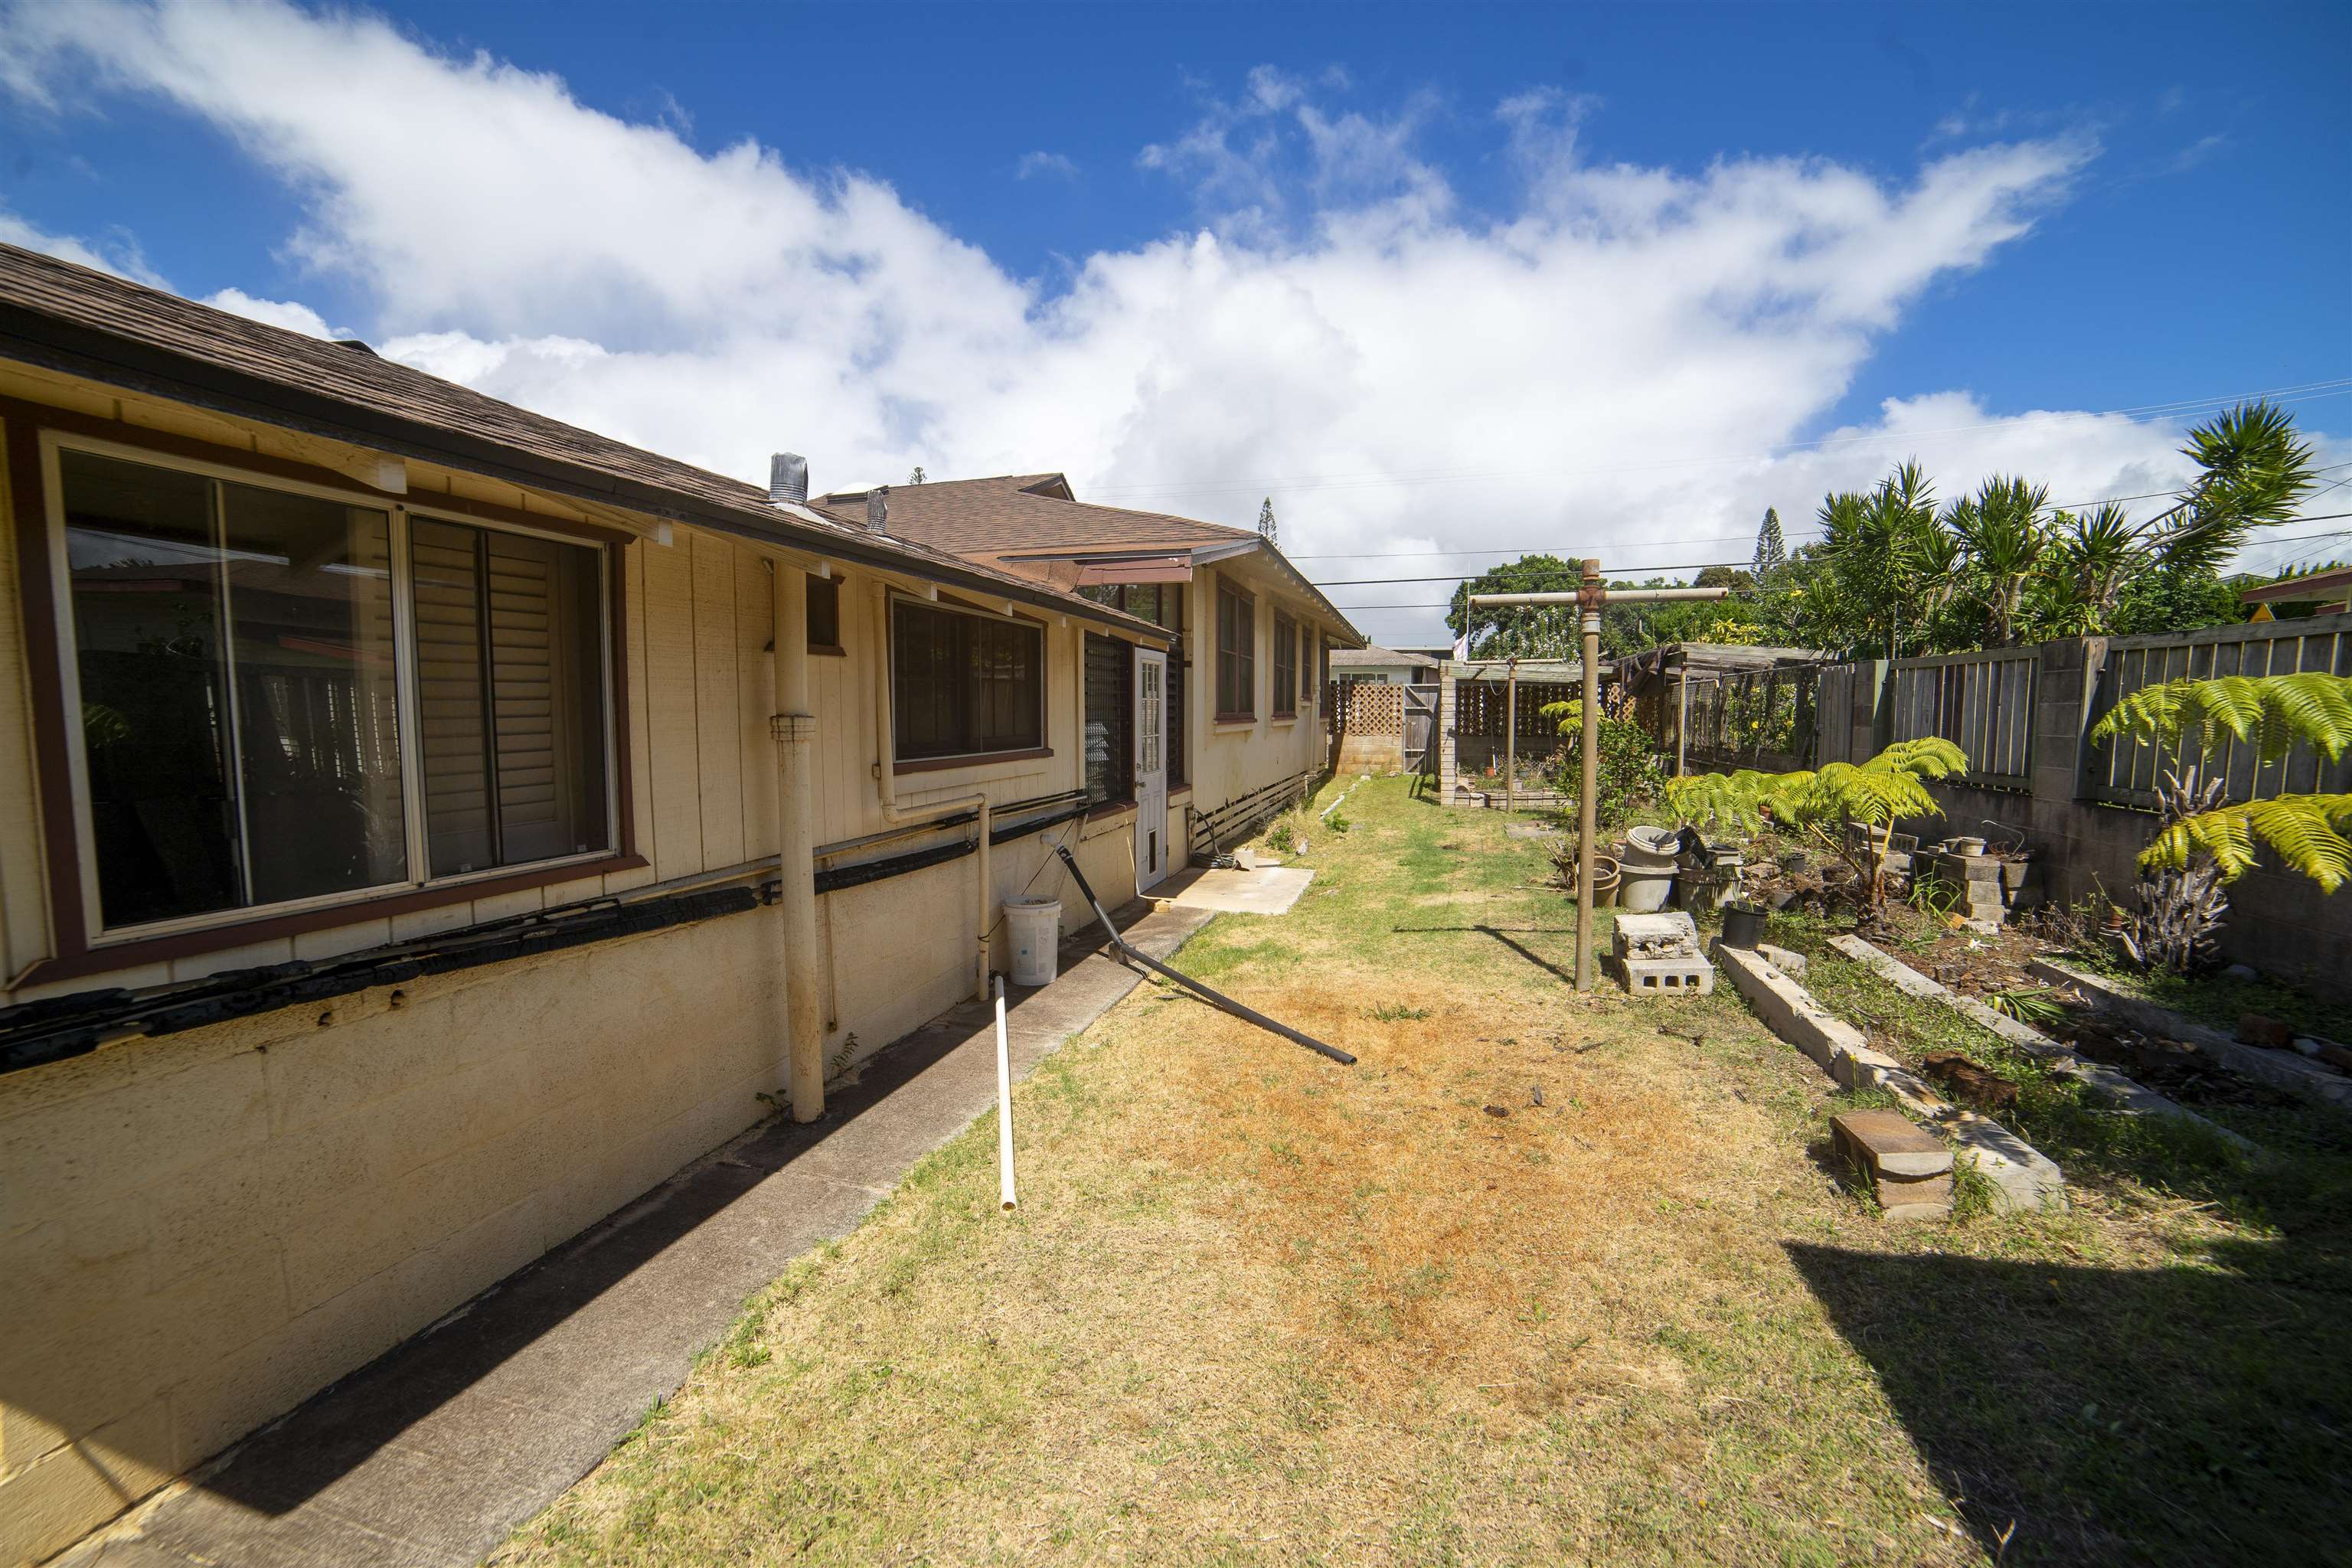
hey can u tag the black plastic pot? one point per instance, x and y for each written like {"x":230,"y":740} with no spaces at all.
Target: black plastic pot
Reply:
{"x":1743,"y":925}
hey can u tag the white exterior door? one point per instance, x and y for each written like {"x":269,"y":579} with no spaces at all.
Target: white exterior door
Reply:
{"x":1151,"y":767}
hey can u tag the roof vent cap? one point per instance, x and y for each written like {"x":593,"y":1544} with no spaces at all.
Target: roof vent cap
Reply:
{"x":787,"y":478}
{"x":878,"y":509}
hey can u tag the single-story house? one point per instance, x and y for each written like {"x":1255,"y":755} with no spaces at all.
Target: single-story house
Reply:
{"x":1252,"y":643}
{"x":1387,"y":665}
{"x":429,"y":825}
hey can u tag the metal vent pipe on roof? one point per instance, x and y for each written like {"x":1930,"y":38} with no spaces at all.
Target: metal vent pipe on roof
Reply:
{"x":878,"y":509}
{"x":787,"y":478}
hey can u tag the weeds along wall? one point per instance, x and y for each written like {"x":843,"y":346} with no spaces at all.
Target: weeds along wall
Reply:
{"x":2087,"y":849}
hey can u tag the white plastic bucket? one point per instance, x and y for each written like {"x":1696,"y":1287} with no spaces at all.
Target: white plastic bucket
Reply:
{"x":1035,"y":925}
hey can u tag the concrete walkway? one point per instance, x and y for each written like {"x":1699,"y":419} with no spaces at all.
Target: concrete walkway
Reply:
{"x":434,"y":1453}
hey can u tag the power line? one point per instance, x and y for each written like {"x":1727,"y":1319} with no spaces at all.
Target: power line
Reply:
{"x":1448,"y":603}
{"x":1737,"y":565}
{"x":1810,"y":538}
{"x":2308,"y":391}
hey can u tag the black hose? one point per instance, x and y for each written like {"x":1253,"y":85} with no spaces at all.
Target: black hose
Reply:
{"x":1216,"y":999}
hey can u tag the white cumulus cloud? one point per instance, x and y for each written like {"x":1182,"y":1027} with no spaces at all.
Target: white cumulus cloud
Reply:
{"x":1623,"y":357}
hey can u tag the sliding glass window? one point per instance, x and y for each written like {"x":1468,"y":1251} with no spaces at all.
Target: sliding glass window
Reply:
{"x":236,"y":649}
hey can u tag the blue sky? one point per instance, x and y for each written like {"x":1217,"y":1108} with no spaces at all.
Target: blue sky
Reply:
{"x":989,"y":221}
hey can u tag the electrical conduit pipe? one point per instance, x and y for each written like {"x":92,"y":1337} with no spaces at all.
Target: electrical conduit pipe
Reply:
{"x":886,"y":792}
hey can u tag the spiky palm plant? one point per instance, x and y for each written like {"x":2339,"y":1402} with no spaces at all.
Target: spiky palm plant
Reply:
{"x":1828,"y":804}
{"x":2205,"y":841}
{"x":2002,"y":530}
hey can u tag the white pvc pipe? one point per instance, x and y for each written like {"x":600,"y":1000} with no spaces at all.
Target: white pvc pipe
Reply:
{"x":1004,"y":1106}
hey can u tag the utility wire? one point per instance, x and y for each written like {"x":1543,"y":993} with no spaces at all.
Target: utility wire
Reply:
{"x":1618,"y":573}
{"x":2339,"y":388}
{"x":1791,"y":536}
{"x":1448,"y":603}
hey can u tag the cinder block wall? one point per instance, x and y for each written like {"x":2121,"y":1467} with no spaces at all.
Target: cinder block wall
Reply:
{"x":2279,"y":922}
{"x":199,"y":1230}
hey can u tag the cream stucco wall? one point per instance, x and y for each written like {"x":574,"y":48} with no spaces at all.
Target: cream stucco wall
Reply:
{"x":199,"y":1229}
{"x":1230,"y":760}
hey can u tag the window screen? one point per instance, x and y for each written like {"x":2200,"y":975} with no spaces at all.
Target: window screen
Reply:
{"x":965,"y":684}
{"x":1109,"y":722}
{"x":823,"y":614}
{"x":1286,"y":666}
{"x":1236,"y":654}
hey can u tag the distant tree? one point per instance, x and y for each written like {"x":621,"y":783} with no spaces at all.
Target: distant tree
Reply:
{"x":1266,"y":519}
{"x":1531,"y":631}
{"x":1771,"y":549}
{"x":917,"y":476}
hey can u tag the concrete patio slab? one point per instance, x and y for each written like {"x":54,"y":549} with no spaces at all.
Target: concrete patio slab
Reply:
{"x":1269,"y":890}
{"x":430,"y":1455}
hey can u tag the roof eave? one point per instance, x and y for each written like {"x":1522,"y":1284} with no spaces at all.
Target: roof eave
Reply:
{"x":36,"y":339}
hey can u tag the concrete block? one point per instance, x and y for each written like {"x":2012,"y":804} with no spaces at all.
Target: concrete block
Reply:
{"x":1669,"y":934}
{"x":1783,"y":959}
{"x":1664,"y":976}
{"x":2280,"y":1070}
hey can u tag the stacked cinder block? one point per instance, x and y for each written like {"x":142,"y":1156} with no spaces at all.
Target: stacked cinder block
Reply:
{"x":1909,"y":1168}
{"x":1658,"y":955}
{"x":1987,"y":886}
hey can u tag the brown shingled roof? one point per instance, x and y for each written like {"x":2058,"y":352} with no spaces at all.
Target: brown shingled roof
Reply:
{"x":1017,"y":519}
{"x":1025,"y":514}
{"x":93,"y":324}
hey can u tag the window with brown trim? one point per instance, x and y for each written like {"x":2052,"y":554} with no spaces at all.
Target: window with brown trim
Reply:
{"x":237,"y":656}
{"x":1285,"y":666}
{"x":1237,"y":653}
{"x":964,"y":683}
{"x":824,"y":615}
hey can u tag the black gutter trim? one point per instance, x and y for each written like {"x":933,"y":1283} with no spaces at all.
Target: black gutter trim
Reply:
{"x":34,"y":338}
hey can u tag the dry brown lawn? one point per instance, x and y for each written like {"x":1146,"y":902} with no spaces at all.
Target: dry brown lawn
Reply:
{"x":1259,"y":1308}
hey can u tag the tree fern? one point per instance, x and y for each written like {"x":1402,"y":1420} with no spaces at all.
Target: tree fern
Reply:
{"x":2306,"y":831}
{"x":1825,"y":802}
{"x":2268,"y":712}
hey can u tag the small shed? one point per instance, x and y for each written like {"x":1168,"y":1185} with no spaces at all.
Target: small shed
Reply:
{"x":1495,"y":746}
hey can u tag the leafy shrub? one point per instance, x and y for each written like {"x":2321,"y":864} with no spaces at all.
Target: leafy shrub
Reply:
{"x":1629,"y":777}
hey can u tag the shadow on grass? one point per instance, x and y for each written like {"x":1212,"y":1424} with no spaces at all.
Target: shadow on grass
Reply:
{"x":1501,"y":934}
{"x":2188,"y":1414}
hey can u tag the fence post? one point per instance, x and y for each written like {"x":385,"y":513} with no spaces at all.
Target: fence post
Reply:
{"x":1870,"y":720}
{"x":2066,"y":686}
{"x":1448,"y":769}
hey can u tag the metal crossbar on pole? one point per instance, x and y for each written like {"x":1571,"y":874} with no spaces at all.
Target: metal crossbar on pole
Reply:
{"x":1589,"y":599}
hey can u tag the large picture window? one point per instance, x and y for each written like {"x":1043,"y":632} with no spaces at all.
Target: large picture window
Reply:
{"x":1236,"y":654}
{"x":237,"y":653}
{"x":965,"y":684}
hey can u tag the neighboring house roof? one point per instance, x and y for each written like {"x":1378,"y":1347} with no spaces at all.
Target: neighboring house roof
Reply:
{"x":92,"y":324}
{"x":1372,"y":656}
{"x":2327,"y":585}
{"x":1024,"y":520}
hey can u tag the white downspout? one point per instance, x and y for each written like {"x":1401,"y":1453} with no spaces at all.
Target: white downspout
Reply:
{"x":794,"y":729}
{"x":885,"y":791}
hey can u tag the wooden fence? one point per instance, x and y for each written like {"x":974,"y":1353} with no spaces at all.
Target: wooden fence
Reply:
{"x":1753,"y":719}
{"x":1981,"y":702}
{"x":2128,"y":774}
